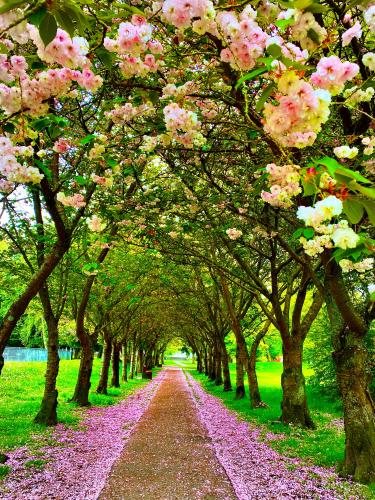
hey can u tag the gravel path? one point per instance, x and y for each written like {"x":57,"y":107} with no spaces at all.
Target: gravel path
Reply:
{"x":169,"y":456}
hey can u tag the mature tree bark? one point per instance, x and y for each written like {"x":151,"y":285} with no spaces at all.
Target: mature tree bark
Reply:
{"x":219,"y":364}
{"x":124,"y":377}
{"x":349,"y":329}
{"x":107,"y":350}
{"x":133,"y":365}
{"x":115,"y":381}
{"x":294,"y":404}
{"x":240,"y":374}
{"x":226,"y":372}
{"x":255,"y":398}
{"x":206,"y":362}
{"x":47,"y":414}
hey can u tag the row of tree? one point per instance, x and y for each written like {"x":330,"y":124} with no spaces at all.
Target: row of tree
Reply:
{"x":135,"y":200}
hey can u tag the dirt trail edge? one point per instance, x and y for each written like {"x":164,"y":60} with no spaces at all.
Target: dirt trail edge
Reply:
{"x":169,"y":456}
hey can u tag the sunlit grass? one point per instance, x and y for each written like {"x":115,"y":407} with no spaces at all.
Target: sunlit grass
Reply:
{"x":21,"y":390}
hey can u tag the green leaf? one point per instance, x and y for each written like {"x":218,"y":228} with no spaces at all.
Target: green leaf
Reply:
{"x":48,"y":28}
{"x":309,"y":188}
{"x":80,"y":180}
{"x":370,"y":209}
{"x":76,"y":15}
{"x":106,"y":57}
{"x":87,"y":139}
{"x":284,"y":23}
{"x":352,"y":174}
{"x":308,"y":232}
{"x":111,"y":162}
{"x":263,"y":98}
{"x":354,"y":210}
{"x":37,"y":17}
{"x":11,"y":4}
{"x":369,"y":192}
{"x":38,"y":65}
{"x":313,"y":35}
{"x":250,"y":76}
{"x":3,"y":49}
{"x":41,"y":123}
{"x":334,"y":166}
{"x":65,"y":22}
{"x":316,"y":8}
{"x":46,"y":171}
{"x":274,"y":50}
{"x":9,"y":127}
{"x":298,"y":233}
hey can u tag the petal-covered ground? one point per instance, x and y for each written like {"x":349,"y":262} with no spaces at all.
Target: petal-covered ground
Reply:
{"x":186,"y":437}
{"x":78,"y":461}
{"x":255,"y":470}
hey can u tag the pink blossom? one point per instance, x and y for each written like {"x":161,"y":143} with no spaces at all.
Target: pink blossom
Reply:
{"x":353,"y":32}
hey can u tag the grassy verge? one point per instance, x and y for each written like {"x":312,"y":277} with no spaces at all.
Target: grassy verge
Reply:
{"x":21,"y":390}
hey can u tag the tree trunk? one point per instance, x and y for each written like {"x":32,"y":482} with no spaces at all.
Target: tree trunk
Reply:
{"x":47,"y":414}
{"x":255,"y":398}
{"x":206,"y":369}
{"x":213,"y":365}
{"x":353,"y":377}
{"x":294,"y":403}
{"x":115,"y":381}
{"x":81,"y":392}
{"x":133,"y":361}
{"x":218,"y":370}
{"x":103,"y":381}
{"x":226,"y":373}
{"x":240,"y":375}
{"x":199,"y":362}
{"x":125,"y":363}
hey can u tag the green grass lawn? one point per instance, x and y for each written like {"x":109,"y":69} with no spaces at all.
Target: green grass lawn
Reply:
{"x":21,"y":390}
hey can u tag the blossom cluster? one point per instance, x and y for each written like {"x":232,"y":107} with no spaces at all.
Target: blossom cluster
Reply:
{"x":346,"y":152}
{"x":68,"y":52}
{"x":284,"y":181}
{"x":95,"y":224}
{"x":171,"y":90}
{"x":182,"y":14}
{"x":361,"y":267}
{"x":302,"y":23}
{"x":32,"y":94}
{"x":327,"y":235}
{"x":332,"y":74}
{"x":125,"y":113}
{"x":354,"y":32}
{"x":75,"y":201}
{"x":299,"y":115}
{"x":11,"y":170}
{"x":246,"y":40}
{"x":133,"y":41}
{"x":354,"y":95}
{"x":369,"y":17}
{"x":183,"y":125}
{"x":234,"y":233}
